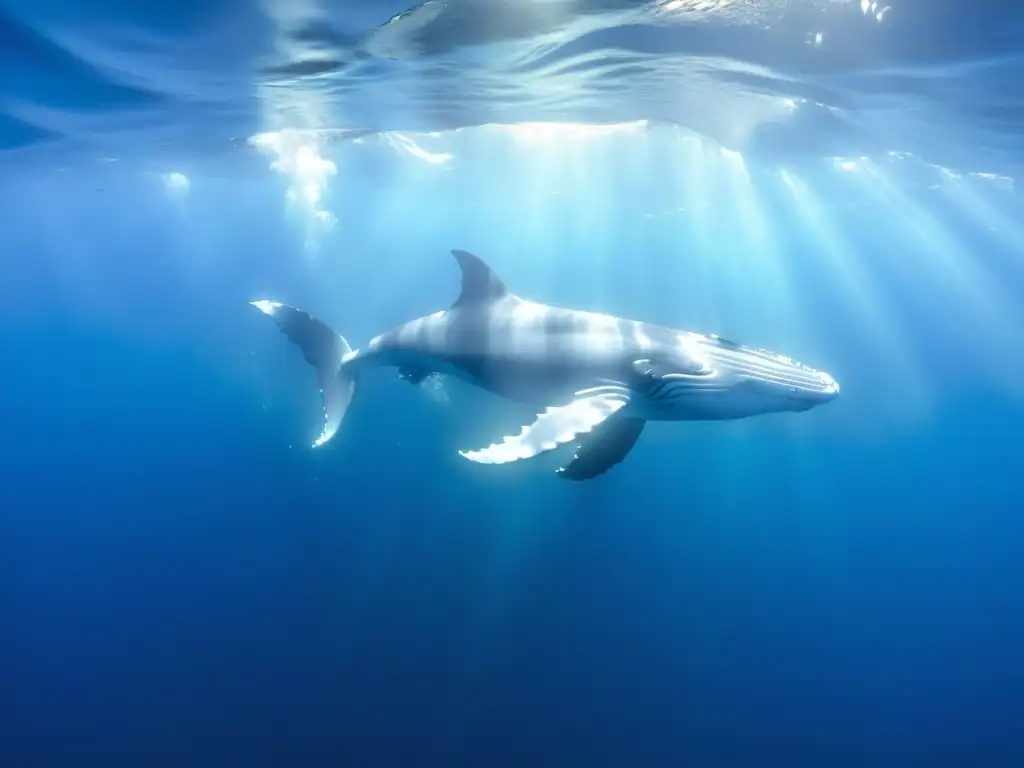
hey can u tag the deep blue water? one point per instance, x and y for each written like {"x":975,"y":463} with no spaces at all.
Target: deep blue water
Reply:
{"x":185,"y":582}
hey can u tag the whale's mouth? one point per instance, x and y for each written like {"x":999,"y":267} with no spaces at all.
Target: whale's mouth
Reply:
{"x":798,"y":382}
{"x":766,"y":367}
{"x":830,"y":385}
{"x":795,"y":380}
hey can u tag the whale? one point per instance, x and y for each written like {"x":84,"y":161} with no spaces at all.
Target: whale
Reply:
{"x":596,"y":379}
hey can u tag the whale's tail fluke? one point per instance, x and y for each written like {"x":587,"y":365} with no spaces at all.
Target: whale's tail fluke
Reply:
{"x":324,"y":349}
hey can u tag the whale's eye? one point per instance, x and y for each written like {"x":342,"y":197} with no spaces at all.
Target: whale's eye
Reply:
{"x":686,"y":370}
{"x":678,"y":366}
{"x":643,"y":366}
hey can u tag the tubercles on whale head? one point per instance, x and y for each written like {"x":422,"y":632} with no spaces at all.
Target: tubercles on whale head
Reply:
{"x":707,"y":377}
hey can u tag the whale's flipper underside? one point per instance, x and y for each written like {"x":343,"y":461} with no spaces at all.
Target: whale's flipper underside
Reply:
{"x":555,"y":427}
{"x":603,"y":448}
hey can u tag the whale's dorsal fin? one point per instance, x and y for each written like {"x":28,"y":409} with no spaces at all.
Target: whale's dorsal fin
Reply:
{"x":479,"y":282}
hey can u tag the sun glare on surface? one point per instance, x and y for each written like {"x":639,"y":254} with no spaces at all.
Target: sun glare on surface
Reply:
{"x":296,"y":155}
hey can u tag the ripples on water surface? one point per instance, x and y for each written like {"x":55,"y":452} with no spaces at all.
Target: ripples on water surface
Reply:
{"x":770,"y":78}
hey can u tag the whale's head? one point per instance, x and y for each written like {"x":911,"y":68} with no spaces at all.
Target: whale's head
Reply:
{"x":707,"y":377}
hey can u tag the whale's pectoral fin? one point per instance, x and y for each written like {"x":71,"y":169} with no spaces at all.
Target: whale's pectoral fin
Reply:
{"x":603,"y":448}
{"x":555,"y":427}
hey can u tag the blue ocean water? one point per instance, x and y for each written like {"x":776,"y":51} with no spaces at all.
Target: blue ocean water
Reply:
{"x":185,"y":582}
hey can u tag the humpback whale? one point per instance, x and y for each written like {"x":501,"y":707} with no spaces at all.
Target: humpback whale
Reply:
{"x":599,"y":378}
